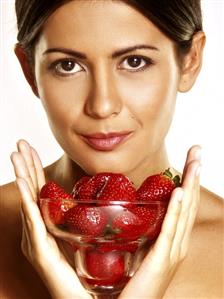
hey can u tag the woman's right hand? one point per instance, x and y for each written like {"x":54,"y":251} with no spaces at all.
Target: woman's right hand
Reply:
{"x":39,"y":247}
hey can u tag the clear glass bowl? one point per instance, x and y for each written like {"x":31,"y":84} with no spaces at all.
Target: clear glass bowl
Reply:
{"x":105,"y":242}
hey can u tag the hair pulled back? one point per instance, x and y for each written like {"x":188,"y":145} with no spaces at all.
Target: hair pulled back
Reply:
{"x":177,"y":19}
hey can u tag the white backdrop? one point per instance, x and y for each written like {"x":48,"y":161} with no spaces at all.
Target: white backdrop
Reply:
{"x":198,"y":119}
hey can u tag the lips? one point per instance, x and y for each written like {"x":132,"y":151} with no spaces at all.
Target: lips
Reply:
{"x":106,"y":142}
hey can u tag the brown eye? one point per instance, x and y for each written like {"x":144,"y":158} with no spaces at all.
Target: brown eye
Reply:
{"x":67,"y":67}
{"x":135,"y":63}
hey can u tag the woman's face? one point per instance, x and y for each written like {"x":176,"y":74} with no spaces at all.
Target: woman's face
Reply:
{"x":108,"y":79}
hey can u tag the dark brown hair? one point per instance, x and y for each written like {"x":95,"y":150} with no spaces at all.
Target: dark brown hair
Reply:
{"x":177,"y":19}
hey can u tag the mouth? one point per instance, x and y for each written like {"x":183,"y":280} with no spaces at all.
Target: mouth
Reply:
{"x":106,"y":142}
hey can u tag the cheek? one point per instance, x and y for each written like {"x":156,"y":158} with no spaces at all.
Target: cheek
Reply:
{"x":151,"y":98}
{"x":62,"y":100}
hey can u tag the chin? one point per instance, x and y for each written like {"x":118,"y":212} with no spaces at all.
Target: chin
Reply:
{"x":117,"y":166}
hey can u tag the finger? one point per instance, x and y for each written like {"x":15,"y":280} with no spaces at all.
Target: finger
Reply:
{"x":194,"y":153}
{"x":33,"y":219}
{"x":21,"y":171}
{"x":191,"y":172}
{"x":188,"y":206}
{"x":192,"y":214}
{"x":164,"y":242}
{"x":191,"y":181}
{"x":25,"y":150}
{"x":39,"y":169}
{"x":25,"y":243}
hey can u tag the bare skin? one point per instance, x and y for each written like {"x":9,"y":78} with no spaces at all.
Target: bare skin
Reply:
{"x":101,"y":92}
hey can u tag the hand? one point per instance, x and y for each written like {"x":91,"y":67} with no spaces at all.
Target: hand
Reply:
{"x":157,"y":269}
{"x":39,"y":247}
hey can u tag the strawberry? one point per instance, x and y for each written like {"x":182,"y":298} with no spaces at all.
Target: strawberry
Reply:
{"x":86,"y":219}
{"x":105,"y":186}
{"x":117,"y":188}
{"x":88,"y":187}
{"x":107,"y":268}
{"x":152,"y":217}
{"x":127,"y":225}
{"x":79,"y":186}
{"x":54,"y":202}
{"x":139,"y":221}
{"x":158,"y":187}
{"x":53,"y":190}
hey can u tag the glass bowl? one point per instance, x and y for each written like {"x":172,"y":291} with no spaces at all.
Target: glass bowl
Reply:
{"x":104,"y":241}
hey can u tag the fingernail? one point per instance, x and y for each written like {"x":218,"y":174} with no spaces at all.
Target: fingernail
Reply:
{"x":180,"y":194}
{"x":198,"y":154}
{"x":198,"y":170}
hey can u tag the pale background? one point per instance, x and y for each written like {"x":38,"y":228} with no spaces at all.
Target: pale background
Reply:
{"x":198,"y":119}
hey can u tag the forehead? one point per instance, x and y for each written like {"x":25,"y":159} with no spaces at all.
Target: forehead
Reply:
{"x":102,"y":22}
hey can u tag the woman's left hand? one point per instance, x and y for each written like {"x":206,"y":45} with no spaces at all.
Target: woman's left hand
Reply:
{"x":157,"y":269}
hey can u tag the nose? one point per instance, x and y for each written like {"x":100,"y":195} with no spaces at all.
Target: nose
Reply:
{"x":103,"y":99}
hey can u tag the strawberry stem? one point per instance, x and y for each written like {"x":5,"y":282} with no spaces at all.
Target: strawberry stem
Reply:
{"x":168,"y":173}
{"x":175,"y":179}
{"x":110,"y":230}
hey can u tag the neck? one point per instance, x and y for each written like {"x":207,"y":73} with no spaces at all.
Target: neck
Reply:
{"x":66,"y":172}
{"x":149,"y":166}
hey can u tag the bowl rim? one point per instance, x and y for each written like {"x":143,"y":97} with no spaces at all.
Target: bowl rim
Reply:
{"x":106,"y":202}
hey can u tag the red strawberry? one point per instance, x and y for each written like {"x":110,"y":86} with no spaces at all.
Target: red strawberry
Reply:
{"x":88,"y":187}
{"x":152,"y":217}
{"x":54,"y":202}
{"x":127,"y":225}
{"x":79,"y":185}
{"x":117,"y":188}
{"x":53,"y":190}
{"x":86,"y":219}
{"x":158,"y":187}
{"x":107,"y":268}
{"x":139,"y":221}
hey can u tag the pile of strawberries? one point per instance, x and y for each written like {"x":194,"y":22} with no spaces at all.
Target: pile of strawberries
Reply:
{"x":90,"y":210}
{"x":88,"y":217}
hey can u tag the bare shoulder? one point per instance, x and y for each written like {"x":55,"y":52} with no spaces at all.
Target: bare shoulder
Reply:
{"x":211,"y":208}
{"x":206,"y":249}
{"x":209,"y":225}
{"x":8,"y":189}
{"x":209,"y":228}
{"x":10,"y":204}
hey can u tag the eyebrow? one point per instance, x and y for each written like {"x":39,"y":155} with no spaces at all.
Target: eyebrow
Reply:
{"x":117,"y":53}
{"x":66,"y":51}
{"x":133,"y":48}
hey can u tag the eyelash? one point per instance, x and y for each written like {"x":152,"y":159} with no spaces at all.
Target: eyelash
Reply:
{"x":58,"y":63}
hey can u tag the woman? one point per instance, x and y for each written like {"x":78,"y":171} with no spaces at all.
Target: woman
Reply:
{"x":107,"y":73}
